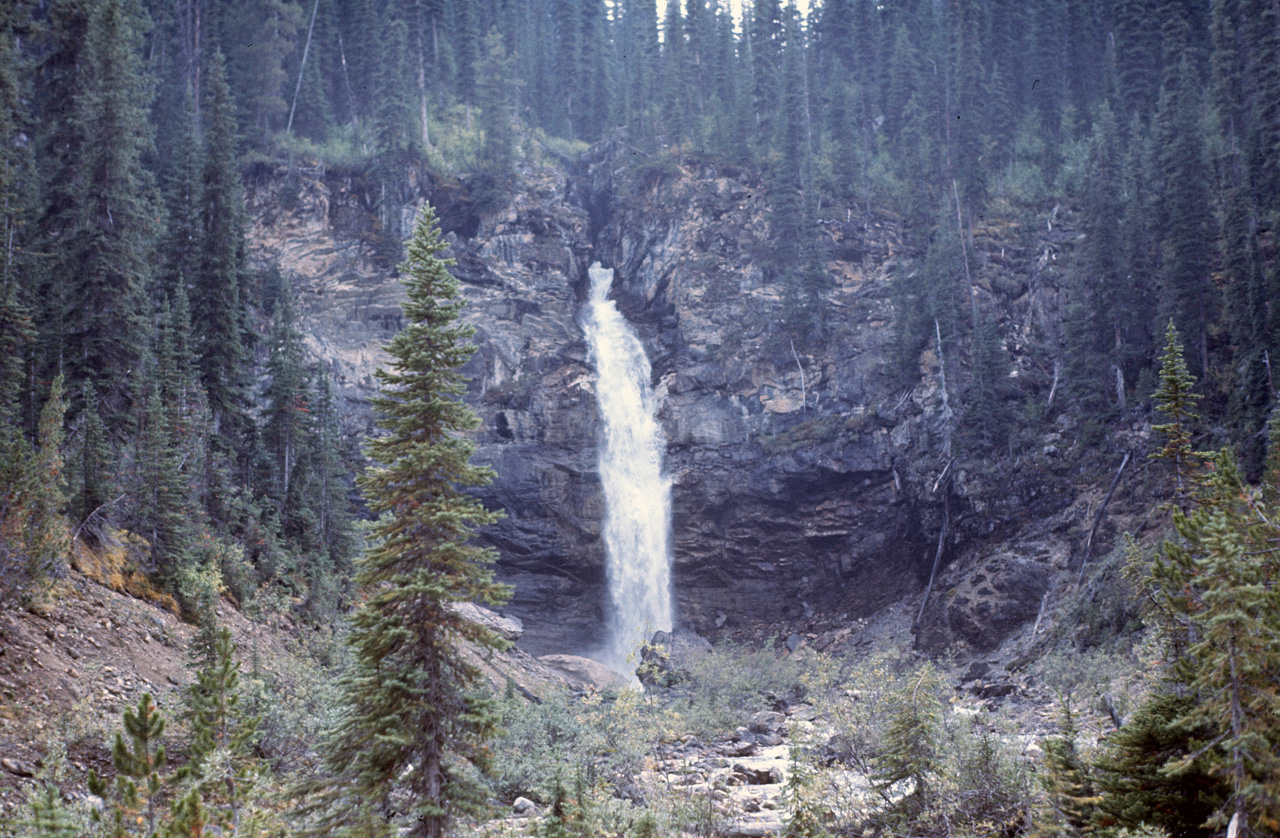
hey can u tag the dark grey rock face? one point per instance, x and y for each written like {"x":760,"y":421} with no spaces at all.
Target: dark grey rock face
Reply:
{"x":803,"y":472}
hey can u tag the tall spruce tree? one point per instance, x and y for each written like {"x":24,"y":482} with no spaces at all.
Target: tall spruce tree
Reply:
{"x":1176,"y":399}
{"x":412,"y":705}
{"x":101,"y":239}
{"x":217,"y":312}
{"x":1216,"y":579}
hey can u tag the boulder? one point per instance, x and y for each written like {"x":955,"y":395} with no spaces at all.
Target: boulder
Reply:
{"x":508,"y":628}
{"x":586,"y":672}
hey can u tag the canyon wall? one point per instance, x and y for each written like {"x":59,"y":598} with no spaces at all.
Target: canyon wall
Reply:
{"x":806,"y":475}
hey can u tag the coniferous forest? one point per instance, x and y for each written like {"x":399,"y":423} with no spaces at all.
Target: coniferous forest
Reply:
{"x":159,"y":407}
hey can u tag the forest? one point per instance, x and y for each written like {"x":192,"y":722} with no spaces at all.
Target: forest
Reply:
{"x":159,"y":405}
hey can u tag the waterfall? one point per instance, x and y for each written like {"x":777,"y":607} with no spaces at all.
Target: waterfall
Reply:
{"x":637,"y":526}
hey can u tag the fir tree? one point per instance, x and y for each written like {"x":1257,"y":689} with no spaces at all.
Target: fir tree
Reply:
{"x":496,"y":99}
{"x":181,"y":244}
{"x":1185,"y":213}
{"x":911,"y":746}
{"x":43,"y":499}
{"x":287,"y":412}
{"x":411,"y":698}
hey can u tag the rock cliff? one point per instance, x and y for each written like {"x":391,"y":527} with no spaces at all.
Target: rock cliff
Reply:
{"x":805,"y":477}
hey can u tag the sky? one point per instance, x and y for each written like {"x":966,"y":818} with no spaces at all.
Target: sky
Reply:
{"x":736,"y":6}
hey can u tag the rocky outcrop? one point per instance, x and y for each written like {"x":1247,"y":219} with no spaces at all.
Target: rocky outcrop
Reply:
{"x":805,"y":476}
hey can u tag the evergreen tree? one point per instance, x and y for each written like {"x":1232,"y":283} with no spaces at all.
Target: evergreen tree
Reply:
{"x":138,"y":762}
{"x":43,"y":501}
{"x":1215,"y":580}
{"x":181,"y":243}
{"x":221,"y":765}
{"x":1176,"y":400}
{"x":676,"y":109}
{"x":467,"y":49}
{"x":101,"y":229}
{"x":764,"y":40}
{"x":497,"y":151}
{"x":638,"y":49}
{"x":1186,"y":292}
{"x":286,"y":416}
{"x":1106,"y":329}
{"x":911,"y":746}
{"x":17,"y":330}
{"x":1069,"y":797}
{"x":411,"y":698}
{"x":257,"y":39}
{"x":49,"y":818}
{"x":216,"y":299}
{"x":394,"y":126}
{"x":989,"y":418}
{"x":332,"y":507}
{"x":593,"y":90}
{"x":1135,"y":783}
{"x":95,"y":464}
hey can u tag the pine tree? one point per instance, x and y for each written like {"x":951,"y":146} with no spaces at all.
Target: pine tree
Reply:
{"x":49,"y":818}
{"x":96,"y":468}
{"x":102,"y":237}
{"x":138,"y":762}
{"x":217,"y":311}
{"x":411,"y":698}
{"x":221,"y":763}
{"x":1069,"y":794}
{"x":1216,"y":577}
{"x":1176,"y":400}
{"x":1133,"y":774}
{"x":44,"y":529}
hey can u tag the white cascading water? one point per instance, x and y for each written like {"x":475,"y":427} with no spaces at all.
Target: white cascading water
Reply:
{"x":637,"y":526}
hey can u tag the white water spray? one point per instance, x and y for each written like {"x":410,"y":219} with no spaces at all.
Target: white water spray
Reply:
{"x":637,"y":526}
